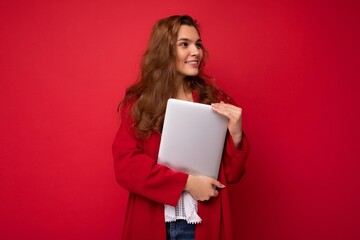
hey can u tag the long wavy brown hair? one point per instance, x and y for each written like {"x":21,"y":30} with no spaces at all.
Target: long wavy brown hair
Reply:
{"x":156,"y":83}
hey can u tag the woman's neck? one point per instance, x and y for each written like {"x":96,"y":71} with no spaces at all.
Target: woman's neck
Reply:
{"x":184,"y":94}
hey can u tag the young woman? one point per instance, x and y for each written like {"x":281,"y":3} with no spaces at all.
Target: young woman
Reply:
{"x":165,"y":204}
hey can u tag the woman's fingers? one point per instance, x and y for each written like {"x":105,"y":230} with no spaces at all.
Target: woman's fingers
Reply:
{"x":218,"y":184}
{"x":234,"y":114}
{"x":202,"y":187}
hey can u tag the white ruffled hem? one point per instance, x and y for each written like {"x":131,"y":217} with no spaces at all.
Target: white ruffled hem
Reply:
{"x":189,"y":209}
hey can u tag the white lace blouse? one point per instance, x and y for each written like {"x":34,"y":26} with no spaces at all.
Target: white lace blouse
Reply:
{"x":186,"y":209}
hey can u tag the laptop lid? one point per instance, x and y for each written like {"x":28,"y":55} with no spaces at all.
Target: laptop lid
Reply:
{"x":192,"y":139}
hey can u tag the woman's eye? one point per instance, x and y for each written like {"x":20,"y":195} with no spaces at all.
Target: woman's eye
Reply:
{"x":184,"y":44}
{"x":199,"y":45}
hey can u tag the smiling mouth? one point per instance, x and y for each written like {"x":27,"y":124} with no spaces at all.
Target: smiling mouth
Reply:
{"x":192,"y":62}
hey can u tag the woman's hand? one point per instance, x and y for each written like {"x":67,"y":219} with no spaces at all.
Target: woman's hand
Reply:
{"x":234,"y":114}
{"x":202,"y":188}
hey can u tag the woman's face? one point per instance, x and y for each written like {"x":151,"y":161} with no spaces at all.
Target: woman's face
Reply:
{"x":188,"y":51}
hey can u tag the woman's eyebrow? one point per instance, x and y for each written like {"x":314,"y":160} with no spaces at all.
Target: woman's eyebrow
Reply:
{"x":188,"y":40}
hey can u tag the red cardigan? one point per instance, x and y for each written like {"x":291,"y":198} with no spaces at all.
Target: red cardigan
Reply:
{"x":151,"y":185}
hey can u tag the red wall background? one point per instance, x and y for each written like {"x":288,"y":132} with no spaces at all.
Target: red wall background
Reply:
{"x":291,"y":65}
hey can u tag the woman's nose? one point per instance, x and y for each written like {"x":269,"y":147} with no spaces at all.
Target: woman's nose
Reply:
{"x":194,"y":51}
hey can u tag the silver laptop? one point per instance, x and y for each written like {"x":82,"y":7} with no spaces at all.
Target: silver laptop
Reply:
{"x":192,"y":139}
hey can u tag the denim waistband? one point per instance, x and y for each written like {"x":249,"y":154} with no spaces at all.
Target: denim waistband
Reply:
{"x":180,"y":230}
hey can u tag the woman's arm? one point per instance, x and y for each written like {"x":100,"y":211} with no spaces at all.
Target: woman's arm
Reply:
{"x":236,"y":148}
{"x":234,"y":159}
{"x":139,"y":173}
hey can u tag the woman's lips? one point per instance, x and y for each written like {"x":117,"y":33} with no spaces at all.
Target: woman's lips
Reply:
{"x":193,"y":63}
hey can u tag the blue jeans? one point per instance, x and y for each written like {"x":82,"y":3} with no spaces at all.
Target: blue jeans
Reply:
{"x":180,"y":230}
